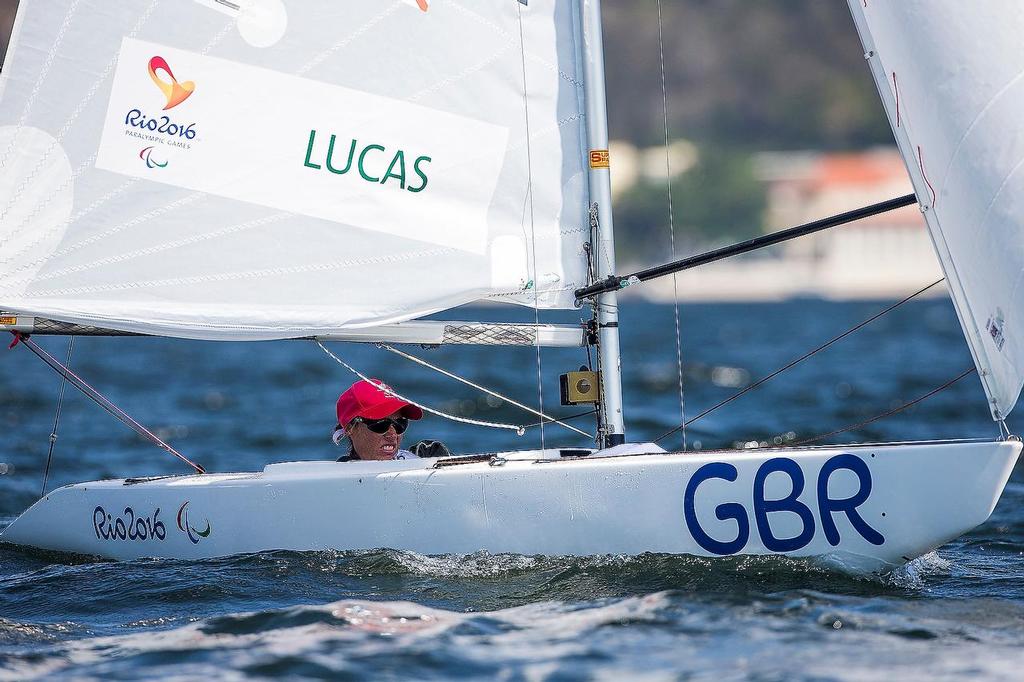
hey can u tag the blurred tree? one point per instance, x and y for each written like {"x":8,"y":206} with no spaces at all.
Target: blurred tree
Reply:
{"x":718,"y":200}
{"x":7,"y":11}
{"x":764,"y":74}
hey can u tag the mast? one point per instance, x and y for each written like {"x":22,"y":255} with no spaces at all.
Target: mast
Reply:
{"x":601,"y":222}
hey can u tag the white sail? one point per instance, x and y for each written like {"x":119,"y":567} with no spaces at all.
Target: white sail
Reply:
{"x":951,"y":75}
{"x":274,"y":168}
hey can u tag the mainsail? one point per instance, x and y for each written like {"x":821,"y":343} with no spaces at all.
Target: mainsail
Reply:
{"x":951,"y":75}
{"x":267,"y":169}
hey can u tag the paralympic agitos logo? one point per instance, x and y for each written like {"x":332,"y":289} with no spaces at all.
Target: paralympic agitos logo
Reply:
{"x":147,"y":155}
{"x":193,"y":533}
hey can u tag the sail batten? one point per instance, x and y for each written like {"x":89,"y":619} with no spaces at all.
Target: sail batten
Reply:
{"x":233,"y":174}
{"x":951,"y":77}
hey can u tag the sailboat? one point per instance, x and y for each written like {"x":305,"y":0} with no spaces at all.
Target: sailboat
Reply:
{"x":261,"y":169}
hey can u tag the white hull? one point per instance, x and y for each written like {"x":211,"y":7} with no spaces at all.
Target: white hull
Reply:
{"x":865,"y":508}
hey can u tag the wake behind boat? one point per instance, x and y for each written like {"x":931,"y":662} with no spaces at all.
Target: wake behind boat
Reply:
{"x":241,"y":171}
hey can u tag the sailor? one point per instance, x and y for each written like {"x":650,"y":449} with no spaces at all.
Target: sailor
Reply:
{"x":374,"y":419}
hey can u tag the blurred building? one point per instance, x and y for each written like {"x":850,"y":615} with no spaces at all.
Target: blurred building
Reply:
{"x":887,"y":256}
{"x":631,"y":164}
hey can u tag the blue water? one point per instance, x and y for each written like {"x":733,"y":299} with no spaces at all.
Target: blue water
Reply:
{"x":956,"y":613}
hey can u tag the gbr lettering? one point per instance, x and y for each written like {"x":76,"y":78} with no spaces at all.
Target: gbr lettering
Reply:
{"x":827,"y":507}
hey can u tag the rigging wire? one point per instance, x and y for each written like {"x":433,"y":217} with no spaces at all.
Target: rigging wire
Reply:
{"x":100,"y":399}
{"x":533,"y":230}
{"x":888,"y":413}
{"x":550,"y":420}
{"x":800,"y":359}
{"x":671,"y":226}
{"x":56,"y":417}
{"x":519,"y":429}
{"x":540,"y":413}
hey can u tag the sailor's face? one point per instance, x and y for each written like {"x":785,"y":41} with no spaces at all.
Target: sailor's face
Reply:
{"x":370,"y":445}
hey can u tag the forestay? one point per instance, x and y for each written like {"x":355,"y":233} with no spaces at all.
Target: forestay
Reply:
{"x":951,"y":75}
{"x":266,"y":169}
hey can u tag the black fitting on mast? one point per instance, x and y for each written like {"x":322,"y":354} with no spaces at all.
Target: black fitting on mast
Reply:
{"x":613,"y":439}
{"x":616,"y":282}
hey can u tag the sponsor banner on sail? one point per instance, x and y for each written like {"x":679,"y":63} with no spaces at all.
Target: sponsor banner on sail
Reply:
{"x":294,"y":144}
{"x":949,"y":73}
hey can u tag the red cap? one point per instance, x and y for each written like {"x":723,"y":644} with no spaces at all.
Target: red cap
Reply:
{"x":373,"y":401}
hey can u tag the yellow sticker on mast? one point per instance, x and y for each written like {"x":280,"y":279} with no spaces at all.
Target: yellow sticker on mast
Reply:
{"x":293,"y":144}
{"x":8,"y":321}
{"x":599,"y":158}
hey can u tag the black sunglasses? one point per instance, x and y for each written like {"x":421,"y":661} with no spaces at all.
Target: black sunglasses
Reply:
{"x":382,"y":425}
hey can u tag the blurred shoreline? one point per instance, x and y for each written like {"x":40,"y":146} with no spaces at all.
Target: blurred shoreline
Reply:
{"x":782,"y":279}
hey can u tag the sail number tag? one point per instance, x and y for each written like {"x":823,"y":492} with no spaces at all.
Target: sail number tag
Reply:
{"x":288,"y":143}
{"x":995,"y":328}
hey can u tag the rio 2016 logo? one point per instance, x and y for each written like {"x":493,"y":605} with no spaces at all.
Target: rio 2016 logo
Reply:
{"x":162,"y":129}
{"x":194,"y":535}
{"x":175,"y":92}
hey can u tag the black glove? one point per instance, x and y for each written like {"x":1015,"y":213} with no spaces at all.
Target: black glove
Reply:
{"x":430,"y":448}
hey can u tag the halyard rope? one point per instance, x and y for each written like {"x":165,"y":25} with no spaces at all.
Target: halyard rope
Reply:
{"x":671,"y":228}
{"x":800,"y":359}
{"x":533,"y":230}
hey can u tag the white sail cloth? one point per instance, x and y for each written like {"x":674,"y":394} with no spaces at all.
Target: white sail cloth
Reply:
{"x":951,"y":75}
{"x":292,"y":167}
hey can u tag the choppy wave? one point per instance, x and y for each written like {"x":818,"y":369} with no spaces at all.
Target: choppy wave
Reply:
{"x":470,"y":615}
{"x":630,"y":637}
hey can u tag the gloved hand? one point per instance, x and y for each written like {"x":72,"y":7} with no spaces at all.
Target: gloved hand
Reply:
{"x":430,"y":448}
